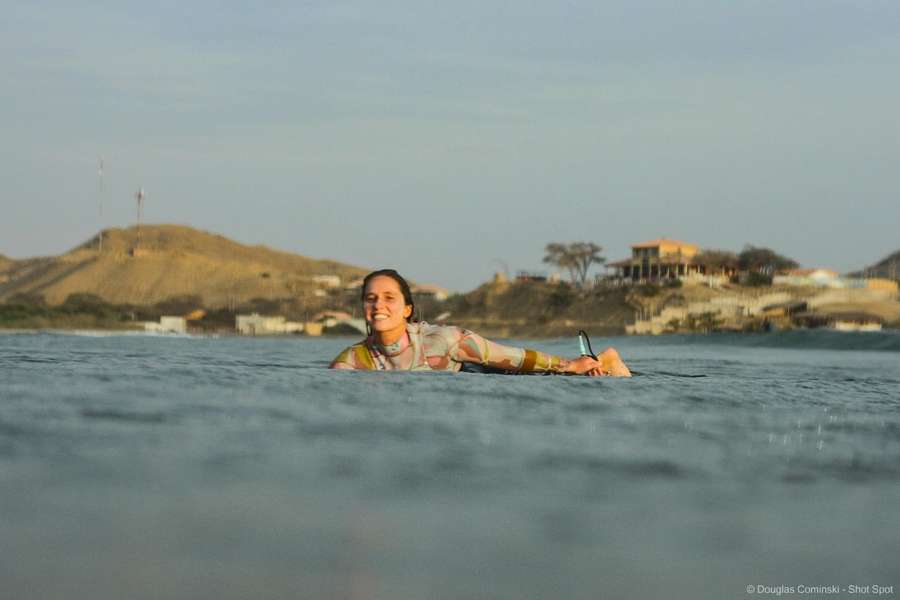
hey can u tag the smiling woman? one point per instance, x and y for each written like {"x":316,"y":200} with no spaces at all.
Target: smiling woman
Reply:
{"x":397,"y":342}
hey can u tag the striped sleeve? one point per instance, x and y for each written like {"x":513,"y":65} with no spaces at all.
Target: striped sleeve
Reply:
{"x":472,"y":348}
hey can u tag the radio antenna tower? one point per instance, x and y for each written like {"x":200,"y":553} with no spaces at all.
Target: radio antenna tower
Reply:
{"x":100,"y":202}
{"x":140,"y":214}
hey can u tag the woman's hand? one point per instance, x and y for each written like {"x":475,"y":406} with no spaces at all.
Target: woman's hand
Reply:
{"x":584,"y":365}
{"x":610,"y":363}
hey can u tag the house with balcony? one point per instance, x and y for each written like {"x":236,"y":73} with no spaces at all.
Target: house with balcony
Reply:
{"x":658,"y":260}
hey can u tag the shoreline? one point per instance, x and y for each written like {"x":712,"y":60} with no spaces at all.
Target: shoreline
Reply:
{"x":513,"y":310}
{"x":496,"y":331}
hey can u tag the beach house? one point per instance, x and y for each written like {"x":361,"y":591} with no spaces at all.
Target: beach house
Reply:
{"x":658,"y":260}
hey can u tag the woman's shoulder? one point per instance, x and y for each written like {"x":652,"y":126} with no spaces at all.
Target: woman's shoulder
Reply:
{"x":444,"y":331}
{"x":356,"y":356}
{"x":440,"y":339}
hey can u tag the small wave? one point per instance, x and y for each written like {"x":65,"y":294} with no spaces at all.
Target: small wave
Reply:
{"x":806,"y":339}
{"x":34,"y":359}
{"x":854,"y":470}
{"x":589,"y":407}
{"x":12,"y":430}
{"x":127,"y":333}
{"x":628,"y":467}
{"x":123,"y":416}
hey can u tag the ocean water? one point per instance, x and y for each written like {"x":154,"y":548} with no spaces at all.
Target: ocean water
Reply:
{"x":187,"y":467}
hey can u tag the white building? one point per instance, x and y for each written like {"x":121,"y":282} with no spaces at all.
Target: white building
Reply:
{"x":330,"y":318}
{"x":354,"y":284}
{"x":255,"y":324}
{"x":427,"y":290}
{"x":167,"y":325}
{"x":809,"y":277}
{"x":328,"y":281}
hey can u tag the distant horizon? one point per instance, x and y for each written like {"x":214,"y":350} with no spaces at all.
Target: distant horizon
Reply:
{"x":453,"y":140}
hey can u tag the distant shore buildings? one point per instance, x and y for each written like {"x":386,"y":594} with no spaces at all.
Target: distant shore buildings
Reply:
{"x":827,"y":278}
{"x":664,"y":260}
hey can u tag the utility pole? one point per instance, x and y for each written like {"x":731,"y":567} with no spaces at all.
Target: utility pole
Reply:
{"x":140,"y":214}
{"x":100,"y":202}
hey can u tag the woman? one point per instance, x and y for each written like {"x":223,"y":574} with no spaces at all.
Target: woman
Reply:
{"x":396,"y":343}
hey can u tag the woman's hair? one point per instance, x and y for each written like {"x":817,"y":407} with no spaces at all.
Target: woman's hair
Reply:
{"x":404,"y":288}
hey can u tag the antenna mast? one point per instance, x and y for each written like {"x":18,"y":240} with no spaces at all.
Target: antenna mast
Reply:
{"x":100,"y":202}
{"x":140,"y":214}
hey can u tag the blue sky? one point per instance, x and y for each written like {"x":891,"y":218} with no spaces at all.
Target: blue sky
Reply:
{"x":447,"y":138}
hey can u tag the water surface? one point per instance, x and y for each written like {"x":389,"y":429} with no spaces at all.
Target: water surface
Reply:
{"x":181,"y":467}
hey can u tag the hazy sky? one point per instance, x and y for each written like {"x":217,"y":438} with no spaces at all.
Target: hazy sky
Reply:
{"x":444,"y":138}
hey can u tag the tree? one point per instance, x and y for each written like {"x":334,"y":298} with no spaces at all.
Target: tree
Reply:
{"x":717,"y":260}
{"x":575,"y":257}
{"x":763,"y":260}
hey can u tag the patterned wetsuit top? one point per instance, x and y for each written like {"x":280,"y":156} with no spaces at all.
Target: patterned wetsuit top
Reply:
{"x":444,"y":348}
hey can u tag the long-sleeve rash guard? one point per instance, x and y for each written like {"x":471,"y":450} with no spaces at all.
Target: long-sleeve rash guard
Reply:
{"x":444,"y":348}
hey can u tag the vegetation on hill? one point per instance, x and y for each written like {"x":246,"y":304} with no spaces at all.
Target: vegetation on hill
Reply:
{"x":89,"y":311}
{"x":757,"y":266}
{"x":79,"y":311}
{"x":717,"y":260}
{"x":764,"y":260}
{"x":525,"y":309}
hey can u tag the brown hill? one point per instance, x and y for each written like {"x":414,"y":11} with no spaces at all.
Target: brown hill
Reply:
{"x":171,"y":261}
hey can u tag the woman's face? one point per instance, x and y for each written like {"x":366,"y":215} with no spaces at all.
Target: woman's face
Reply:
{"x":384,"y":306}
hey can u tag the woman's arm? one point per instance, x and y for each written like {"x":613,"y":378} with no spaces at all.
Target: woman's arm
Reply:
{"x":472,"y":348}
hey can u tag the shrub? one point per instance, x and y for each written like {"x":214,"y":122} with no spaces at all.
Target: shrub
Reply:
{"x":179,"y":305}
{"x":756,"y":279}
{"x":89,"y":304}
{"x":647,"y":290}
{"x":265,"y":306}
{"x":561,"y":297}
{"x":27,"y":299}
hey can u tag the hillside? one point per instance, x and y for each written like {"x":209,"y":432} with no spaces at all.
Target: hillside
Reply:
{"x":888,"y":267}
{"x":174,"y":261}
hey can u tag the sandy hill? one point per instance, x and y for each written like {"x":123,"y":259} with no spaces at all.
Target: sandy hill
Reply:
{"x":173,"y":261}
